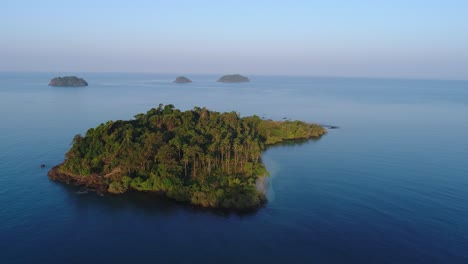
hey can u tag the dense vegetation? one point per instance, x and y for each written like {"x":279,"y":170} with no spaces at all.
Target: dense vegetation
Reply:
{"x":182,"y":79}
{"x":233,"y":78}
{"x":199,"y":156}
{"x":70,"y":81}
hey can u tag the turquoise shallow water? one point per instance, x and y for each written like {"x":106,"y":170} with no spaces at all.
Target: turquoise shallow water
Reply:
{"x":389,"y":186}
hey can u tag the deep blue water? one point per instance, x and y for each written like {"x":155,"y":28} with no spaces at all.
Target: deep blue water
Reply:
{"x":389,"y":186}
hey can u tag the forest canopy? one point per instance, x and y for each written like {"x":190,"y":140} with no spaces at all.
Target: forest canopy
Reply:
{"x":202,"y":157}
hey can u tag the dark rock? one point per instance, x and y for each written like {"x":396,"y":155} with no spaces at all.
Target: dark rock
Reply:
{"x":97,"y":184}
{"x":82,"y":190}
{"x":330,"y":126}
{"x":68,"y":81}
{"x":42,"y":165}
{"x":182,"y":79}
{"x":233,"y":78}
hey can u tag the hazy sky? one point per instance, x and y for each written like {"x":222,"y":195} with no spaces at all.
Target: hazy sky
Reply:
{"x":375,"y":38}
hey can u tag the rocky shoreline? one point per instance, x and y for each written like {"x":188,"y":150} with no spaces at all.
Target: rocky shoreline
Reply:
{"x":96,"y":184}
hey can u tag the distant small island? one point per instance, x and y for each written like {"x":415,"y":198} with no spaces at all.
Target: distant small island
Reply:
{"x":182,"y":79}
{"x":201,"y":157}
{"x":68,"y":81}
{"x":234,"y":78}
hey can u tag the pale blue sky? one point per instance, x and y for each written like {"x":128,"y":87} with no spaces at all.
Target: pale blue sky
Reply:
{"x":374,"y":38}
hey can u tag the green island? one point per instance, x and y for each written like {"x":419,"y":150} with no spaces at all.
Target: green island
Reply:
{"x":182,"y":79}
{"x":68,"y":81}
{"x":202,"y":157}
{"x":233,"y":78}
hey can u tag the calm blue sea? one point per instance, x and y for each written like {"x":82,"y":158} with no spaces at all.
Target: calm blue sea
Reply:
{"x":389,"y":186}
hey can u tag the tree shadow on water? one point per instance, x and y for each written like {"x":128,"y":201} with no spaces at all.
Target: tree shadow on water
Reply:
{"x":141,"y":202}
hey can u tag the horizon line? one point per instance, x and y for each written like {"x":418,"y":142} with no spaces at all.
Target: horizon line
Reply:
{"x":253,"y":74}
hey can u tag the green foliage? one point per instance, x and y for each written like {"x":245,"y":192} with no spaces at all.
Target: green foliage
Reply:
{"x":116,"y":187}
{"x":203,"y":157}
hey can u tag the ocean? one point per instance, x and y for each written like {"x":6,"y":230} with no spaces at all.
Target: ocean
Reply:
{"x":389,"y":186}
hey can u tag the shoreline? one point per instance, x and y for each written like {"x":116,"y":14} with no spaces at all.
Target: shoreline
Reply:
{"x":95,"y":184}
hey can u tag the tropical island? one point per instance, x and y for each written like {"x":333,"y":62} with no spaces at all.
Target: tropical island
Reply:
{"x":68,"y":81}
{"x":234,"y":78}
{"x":201,"y":157}
{"x":182,"y":79}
